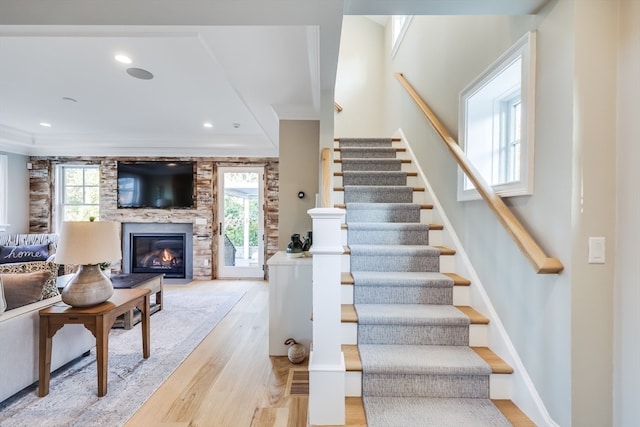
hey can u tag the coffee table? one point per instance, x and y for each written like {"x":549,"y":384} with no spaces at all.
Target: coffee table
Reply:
{"x":98,"y":319}
{"x":151,"y":281}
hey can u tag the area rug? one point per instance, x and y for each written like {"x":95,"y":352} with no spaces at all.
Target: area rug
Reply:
{"x":186,"y":318}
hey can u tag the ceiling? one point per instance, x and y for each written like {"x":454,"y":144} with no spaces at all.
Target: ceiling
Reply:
{"x":240,"y":65}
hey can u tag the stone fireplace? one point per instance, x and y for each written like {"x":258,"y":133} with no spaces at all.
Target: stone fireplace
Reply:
{"x":165,"y":248}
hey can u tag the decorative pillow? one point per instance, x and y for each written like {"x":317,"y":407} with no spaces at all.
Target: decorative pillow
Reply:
{"x":3,"y":303}
{"x":50,"y":289}
{"x":23,"y":288}
{"x":24,"y":253}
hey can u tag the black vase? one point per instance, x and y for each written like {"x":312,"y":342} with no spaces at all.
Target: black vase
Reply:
{"x":308,"y":241}
{"x":294,"y":248}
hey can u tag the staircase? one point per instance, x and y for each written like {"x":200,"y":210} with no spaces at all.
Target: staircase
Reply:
{"x":415,"y":353}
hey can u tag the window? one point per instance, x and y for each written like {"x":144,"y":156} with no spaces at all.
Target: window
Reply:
{"x":399,"y":26}
{"x":78,"y":192}
{"x":4,"y":176}
{"x":497,"y":122}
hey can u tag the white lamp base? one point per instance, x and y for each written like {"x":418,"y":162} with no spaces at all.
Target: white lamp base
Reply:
{"x":88,"y":287}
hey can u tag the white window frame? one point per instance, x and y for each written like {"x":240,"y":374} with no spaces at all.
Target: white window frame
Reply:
{"x":59,"y":217}
{"x":487,"y":153}
{"x":4,"y":190}
{"x":399,"y":27}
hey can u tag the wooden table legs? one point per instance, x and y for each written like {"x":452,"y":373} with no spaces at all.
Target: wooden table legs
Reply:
{"x":99,"y":320}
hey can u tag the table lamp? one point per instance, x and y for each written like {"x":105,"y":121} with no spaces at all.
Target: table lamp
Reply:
{"x":87,"y":244}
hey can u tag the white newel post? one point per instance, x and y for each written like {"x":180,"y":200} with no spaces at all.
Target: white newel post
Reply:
{"x":326,"y":361}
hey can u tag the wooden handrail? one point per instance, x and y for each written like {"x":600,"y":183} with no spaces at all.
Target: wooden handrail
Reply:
{"x":337,"y":107}
{"x":326,"y":177}
{"x":541,"y":263}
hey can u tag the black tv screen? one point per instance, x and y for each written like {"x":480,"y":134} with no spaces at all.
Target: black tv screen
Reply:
{"x":158,"y":184}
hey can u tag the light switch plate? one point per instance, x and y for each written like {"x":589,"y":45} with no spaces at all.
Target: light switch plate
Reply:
{"x":596,"y":250}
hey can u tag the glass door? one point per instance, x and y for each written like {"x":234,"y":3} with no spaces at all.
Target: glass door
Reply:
{"x":240,"y":222}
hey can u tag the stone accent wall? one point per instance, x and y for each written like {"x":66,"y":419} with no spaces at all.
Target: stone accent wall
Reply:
{"x":205,"y":242}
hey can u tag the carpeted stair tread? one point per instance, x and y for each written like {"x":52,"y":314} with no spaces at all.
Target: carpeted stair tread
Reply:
{"x":393,"y":250}
{"x":377,"y":194}
{"x":392,"y":257}
{"x":410,"y":315}
{"x":388,"y":233}
{"x":368,"y":165}
{"x":407,"y":173}
{"x":402,"y":279}
{"x":374,"y":178}
{"x":383,"y":212}
{"x":402,"y":161}
{"x":431,"y":226}
{"x":368,"y":153}
{"x":421,"y":360}
{"x":365,"y":142}
{"x":385,"y":287}
{"x":353,"y":361}
{"x":432,"y":412}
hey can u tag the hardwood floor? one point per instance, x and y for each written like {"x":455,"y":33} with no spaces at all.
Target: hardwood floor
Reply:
{"x":229,"y":379}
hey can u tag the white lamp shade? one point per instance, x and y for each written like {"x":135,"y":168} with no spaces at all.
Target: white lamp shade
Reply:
{"x":88,"y":242}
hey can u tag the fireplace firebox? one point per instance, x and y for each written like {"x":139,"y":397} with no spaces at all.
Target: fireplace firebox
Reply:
{"x":158,"y":253}
{"x":161,"y":248}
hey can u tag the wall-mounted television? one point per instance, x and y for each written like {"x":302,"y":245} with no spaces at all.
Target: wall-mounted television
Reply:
{"x":156,"y":184}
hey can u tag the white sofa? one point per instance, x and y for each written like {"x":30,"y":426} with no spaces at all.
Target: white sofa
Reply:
{"x":19,"y":336}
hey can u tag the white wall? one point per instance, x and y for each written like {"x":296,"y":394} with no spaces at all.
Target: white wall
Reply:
{"x":18,"y":194}
{"x":359,"y":88}
{"x":298,"y":171}
{"x":627,"y":280}
{"x":593,"y":200}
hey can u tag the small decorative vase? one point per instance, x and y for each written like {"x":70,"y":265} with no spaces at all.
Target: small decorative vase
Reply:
{"x":296,"y":353}
{"x":306,"y":244}
{"x":294,"y":248}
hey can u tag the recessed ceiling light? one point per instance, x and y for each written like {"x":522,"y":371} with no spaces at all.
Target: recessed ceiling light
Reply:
{"x":139,"y":73}
{"x":236,"y":125}
{"x":208,"y":125}
{"x":123,"y":58}
{"x":66,"y":98}
{"x":45,"y":124}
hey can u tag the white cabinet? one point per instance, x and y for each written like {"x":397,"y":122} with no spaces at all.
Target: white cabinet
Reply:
{"x":290,"y":304}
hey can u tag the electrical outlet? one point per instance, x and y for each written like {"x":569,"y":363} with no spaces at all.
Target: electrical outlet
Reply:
{"x":206,"y":263}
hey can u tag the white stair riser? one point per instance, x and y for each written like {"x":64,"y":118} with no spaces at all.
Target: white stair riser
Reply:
{"x":447,"y":263}
{"x":500,"y":386}
{"x":349,"y":333}
{"x":347,"y":294}
{"x":478,"y":335}
{"x":461,"y":295}
{"x":353,"y":384}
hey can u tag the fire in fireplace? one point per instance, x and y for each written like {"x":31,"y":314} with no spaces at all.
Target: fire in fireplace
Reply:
{"x":158,"y":253}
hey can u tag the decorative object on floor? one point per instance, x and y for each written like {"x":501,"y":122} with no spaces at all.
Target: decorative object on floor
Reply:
{"x":185,"y":320}
{"x":294,"y":248}
{"x":296,"y":353}
{"x":88,"y":243}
